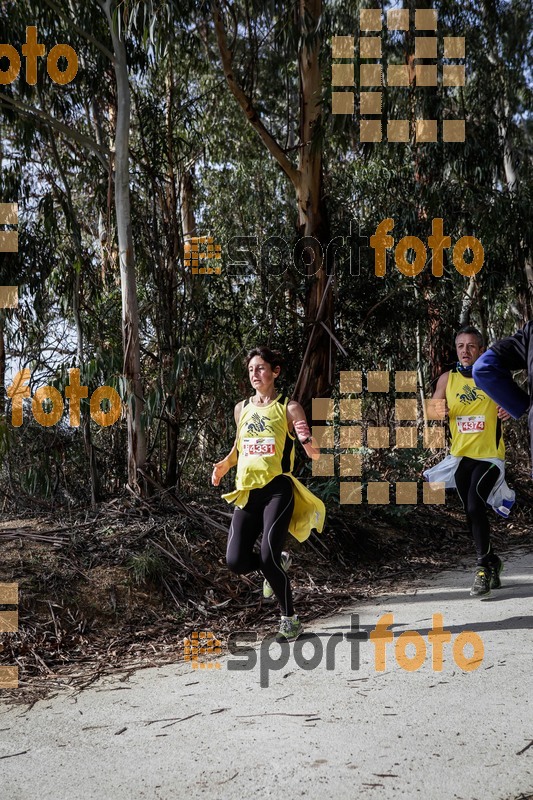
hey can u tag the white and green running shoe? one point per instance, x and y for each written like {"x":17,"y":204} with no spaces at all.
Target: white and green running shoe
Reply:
{"x":289,"y":629}
{"x":286,"y":561}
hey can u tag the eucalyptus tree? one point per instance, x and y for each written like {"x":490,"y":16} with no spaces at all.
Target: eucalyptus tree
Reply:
{"x":296,"y":32}
{"x":506,"y":30}
{"x":77,"y":120}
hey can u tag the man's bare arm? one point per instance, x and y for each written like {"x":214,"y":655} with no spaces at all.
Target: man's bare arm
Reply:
{"x":437,"y":407}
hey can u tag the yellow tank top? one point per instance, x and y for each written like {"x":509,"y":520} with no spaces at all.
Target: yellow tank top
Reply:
{"x":475,"y":428}
{"x":264,"y":444}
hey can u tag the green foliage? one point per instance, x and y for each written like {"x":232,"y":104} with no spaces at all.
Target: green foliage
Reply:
{"x":186,"y":125}
{"x":147,"y":567}
{"x":327,"y":491}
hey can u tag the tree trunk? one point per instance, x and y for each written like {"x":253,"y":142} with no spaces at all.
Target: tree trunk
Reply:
{"x":171,"y":336}
{"x":466,"y":307}
{"x":512,"y":187}
{"x":317,"y":369}
{"x":504,"y":115}
{"x":315,"y":377}
{"x":188,"y":222}
{"x":439,"y":332}
{"x":94,"y":481}
{"x":130,"y":312}
{"x":2,"y":363}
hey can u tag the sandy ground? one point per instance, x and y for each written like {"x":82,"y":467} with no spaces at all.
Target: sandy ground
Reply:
{"x":296,"y":724}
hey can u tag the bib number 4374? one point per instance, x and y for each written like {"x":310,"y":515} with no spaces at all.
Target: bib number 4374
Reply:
{"x":471,"y":424}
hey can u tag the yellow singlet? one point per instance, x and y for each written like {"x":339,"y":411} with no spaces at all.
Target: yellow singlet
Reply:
{"x":265,"y":446}
{"x":266,"y":449}
{"x":475,"y":428}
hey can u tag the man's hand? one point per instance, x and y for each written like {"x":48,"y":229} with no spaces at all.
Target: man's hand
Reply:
{"x":437,"y":408}
{"x":503,"y":414}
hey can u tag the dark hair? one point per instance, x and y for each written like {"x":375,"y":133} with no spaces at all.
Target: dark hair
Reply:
{"x":472,"y":332}
{"x":272,"y":357}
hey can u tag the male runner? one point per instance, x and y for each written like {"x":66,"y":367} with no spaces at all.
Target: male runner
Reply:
{"x":476,"y":464}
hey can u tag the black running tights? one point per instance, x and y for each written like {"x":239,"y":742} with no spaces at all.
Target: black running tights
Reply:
{"x":475,"y":480}
{"x":268,"y":510}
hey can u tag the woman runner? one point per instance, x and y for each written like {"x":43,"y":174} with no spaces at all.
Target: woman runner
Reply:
{"x":268,"y":498}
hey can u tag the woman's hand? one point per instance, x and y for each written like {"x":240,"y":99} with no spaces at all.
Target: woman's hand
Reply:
{"x":219,"y":470}
{"x":221,"y":467}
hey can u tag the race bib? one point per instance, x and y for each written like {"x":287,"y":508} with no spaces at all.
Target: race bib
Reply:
{"x":471,"y":424}
{"x":263,"y":446}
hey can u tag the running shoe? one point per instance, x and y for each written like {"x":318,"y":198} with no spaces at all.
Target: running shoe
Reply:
{"x":495,"y":571}
{"x":286,"y":561}
{"x":482,"y":581}
{"x":290,"y":628}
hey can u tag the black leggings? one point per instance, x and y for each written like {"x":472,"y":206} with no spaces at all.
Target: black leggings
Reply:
{"x":269,"y":510}
{"x":475,"y":480}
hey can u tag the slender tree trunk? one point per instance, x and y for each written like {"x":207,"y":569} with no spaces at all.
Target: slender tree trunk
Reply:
{"x":512,"y":187}
{"x":78,"y":249}
{"x":188,"y":222}
{"x":483,"y":326}
{"x":171,"y":335}
{"x":504,"y":116}
{"x":2,"y":363}
{"x":424,"y":102}
{"x":315,"y":377}
{"x":466,"y":307}
{"x":130,"y":312}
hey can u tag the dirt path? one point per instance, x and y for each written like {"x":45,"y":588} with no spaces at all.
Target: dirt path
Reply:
{"x":344,"y":731}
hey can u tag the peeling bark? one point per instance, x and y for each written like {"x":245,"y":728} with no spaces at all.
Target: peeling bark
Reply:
{"x":130,"y":312}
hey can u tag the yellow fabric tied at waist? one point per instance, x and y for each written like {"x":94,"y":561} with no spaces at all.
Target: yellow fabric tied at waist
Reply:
{"x":309,"y":511}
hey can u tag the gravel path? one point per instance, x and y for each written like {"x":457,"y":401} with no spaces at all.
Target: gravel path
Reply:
{"x":279,"y":729}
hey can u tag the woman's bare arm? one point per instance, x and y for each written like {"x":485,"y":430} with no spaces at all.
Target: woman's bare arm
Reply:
{"x":296,"y":416}
{"x":221,"y":467}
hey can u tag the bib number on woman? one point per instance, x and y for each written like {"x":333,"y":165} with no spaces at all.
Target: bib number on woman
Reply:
{"x":262,"y":446}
